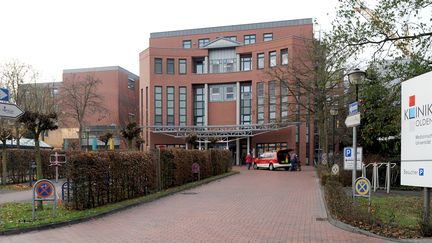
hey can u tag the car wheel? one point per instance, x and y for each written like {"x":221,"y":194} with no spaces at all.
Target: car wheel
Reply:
{"x":271,"y":167}
{"x":287,"y":168}
{"x":255,"y":166}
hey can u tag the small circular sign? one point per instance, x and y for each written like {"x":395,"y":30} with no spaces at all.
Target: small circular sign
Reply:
{"x":362,"y":186}
{"x":195,"y":168}
{"x":335,"y":169}
{"x":44,"y":189}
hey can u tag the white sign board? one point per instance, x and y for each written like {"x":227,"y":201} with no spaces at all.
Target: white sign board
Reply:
{"x":349,"y":158}
{"x":416,"y":131}
{"x":353,"y":108}
{"x":353,"y":120}
{"x":10,"y":110}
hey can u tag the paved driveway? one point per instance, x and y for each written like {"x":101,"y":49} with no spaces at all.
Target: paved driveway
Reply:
{"x":254,"y":206}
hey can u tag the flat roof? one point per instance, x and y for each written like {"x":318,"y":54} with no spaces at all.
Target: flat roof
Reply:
{"x":228,"y":28}
{"x":101,"y":69}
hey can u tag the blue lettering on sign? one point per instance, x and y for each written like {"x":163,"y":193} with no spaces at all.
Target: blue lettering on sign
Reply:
{"x":348,"y":152}
{"x":421,"y":172}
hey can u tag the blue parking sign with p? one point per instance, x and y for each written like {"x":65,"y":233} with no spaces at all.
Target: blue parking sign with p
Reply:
{"x":348,"y":152}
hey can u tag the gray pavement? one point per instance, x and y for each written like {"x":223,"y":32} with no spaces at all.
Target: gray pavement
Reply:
{"x":254,"y":206}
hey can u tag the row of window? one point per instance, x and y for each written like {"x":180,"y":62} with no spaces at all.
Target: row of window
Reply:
{"x":221,"y":92}
{"x":247,"y":39}
{"x":170,"y":100}
{"x":221,"y":65}
{"x":182,"y":66}
{"x":272,"y":105}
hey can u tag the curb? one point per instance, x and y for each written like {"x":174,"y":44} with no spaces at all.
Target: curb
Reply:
{"x":347,"y":227}
{"x":162,"y":194}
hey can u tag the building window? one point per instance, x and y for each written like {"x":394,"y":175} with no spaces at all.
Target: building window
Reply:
{"x":158,"y":65}
{"x":170,"y":66}
{"x":158,"y":105}
{"x":249,"y":39}
{"x":268,"y":36}
{"x":284,"y":100}
{"x":260,"y":103}
{"x":272,"y":59}
{"x":198,"y":65}
{"x":131,"y":83}
{"x":131,"y":117}
{"x":229,"y":92}
{"x":222,"y":92}
{"x":284,"y":56}
{"x":187,"y":44}
{"x":182,"y":106}
{"x":246,"y":62}
{"x":216,"y":93}
{"x":199,"y":114}
{"x":272,"y":101}
{"x":245,"y":104}
{"x":203,"y":42}
{"x":170,"y":106}
{"x":260,"y":60}
{"x":233,"y":38}
{"x":182,"y":66}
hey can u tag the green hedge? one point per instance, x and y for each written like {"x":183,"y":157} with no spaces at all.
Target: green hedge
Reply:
{"x":176,"y":165}
{"x":101,"y":178}
{"x":18,"y":165}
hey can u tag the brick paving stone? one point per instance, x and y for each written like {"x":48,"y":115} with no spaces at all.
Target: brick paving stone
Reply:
{"x":254,"y":206}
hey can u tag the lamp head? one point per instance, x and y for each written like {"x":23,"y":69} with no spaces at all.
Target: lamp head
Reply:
{"x":356,"y":76}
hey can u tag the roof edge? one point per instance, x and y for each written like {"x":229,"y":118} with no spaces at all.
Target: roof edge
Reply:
{"x":228,"y":28}
{"x":101,"y":69}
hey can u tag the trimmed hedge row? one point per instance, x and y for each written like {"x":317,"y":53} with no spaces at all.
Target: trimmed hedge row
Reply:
{"x":101,"y":178}
{"x":176,"y":165}
{"x":18,"y":165}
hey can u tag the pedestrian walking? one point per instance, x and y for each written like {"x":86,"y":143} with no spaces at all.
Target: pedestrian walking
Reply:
{"x":248,"y":160}
{"x":293,"y":160}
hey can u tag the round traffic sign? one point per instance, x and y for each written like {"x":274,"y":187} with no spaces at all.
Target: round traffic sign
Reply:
{"x":362,"y":186}
{"x":44,"y":189}
{"x":335,"y":169}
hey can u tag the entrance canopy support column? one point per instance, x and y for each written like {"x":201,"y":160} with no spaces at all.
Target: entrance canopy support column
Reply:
{"x":248,"y":145}
{"x":237,"y":151}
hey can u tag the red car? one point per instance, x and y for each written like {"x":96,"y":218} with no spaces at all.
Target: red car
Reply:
{"x":273,"y":160}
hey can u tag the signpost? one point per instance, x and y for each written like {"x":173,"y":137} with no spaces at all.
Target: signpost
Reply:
{"x":56,"y":160}
{"x":4,"y":95}
{"x":353,"y":120}
{"x":416,"y":136}
{"x":335,"y":169}
{"x":196,"y":170}
{"x":10,"y":110}
{"x":363,"y":189}
{"x":44,"y":190}
{"x":349,"y":158}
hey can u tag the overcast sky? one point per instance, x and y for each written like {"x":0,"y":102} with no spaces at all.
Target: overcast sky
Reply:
{"x":52,"y":35}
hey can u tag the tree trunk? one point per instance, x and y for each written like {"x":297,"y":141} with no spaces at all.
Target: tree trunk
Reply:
{"x":130,"y":144}
{"x":4,"y":162}
{"x":17,"y":137}
{"x":80,"y":137}
{"x":38,"y":158}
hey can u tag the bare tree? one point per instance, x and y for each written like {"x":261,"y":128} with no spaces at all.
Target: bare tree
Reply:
{"x":79,"y":98}
{"x":13,"y":75}
{"x":5,"y":134}
{"x":314,"y":80}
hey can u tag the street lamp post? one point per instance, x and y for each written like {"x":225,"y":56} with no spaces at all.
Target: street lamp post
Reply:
{"x":355,"y":77}
{"x":334,"y":113}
